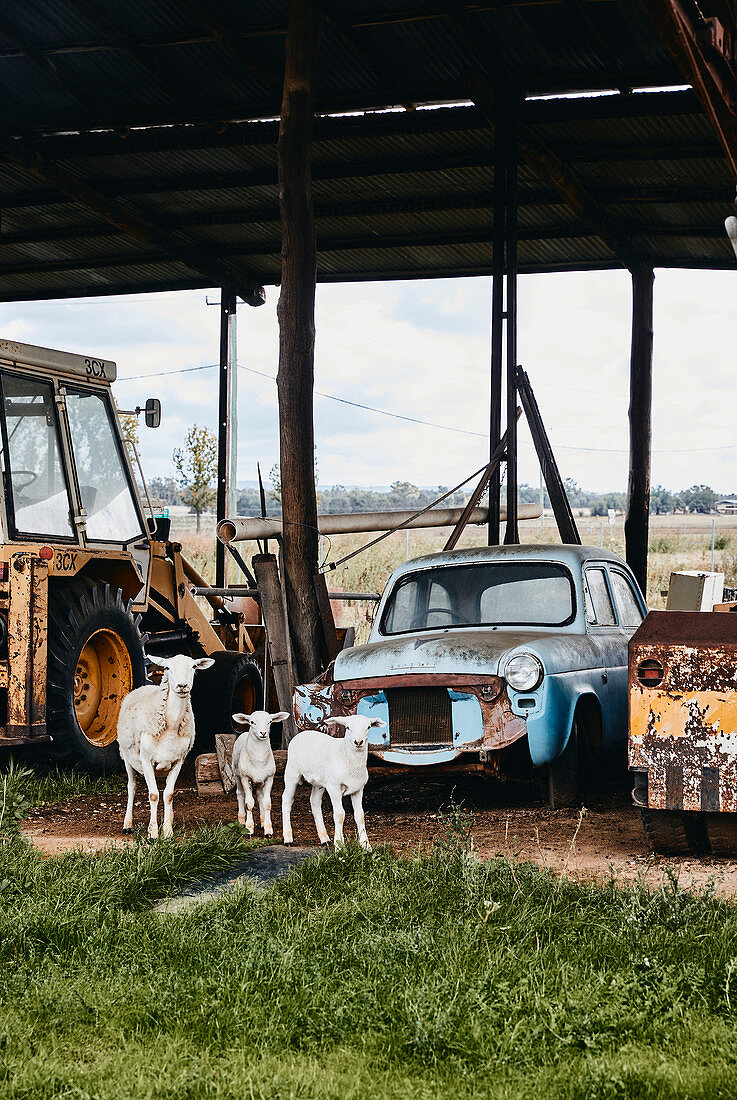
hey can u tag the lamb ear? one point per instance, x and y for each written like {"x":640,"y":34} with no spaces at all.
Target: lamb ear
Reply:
{"x":335,"y":721}
{"x":241,"y":719}
{"x":162,"y":662}
{"x":280,"y":716}
{"x":377,"y":722}
{"x":203,"y":662}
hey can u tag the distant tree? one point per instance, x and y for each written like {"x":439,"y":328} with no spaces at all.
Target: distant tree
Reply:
{"x":699,"y":498}
{"x":165,"y":489}
{"x":275,"y":479}
{"x":249,"y":502}
{"x":598,"y":508}
{"x":196,"y":464}
{"x":129,"y":428}
{"x":662,"y":500}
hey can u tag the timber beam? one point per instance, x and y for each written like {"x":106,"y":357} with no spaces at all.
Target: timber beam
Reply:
{"x":704,"y":48}
{"x":123,"y":43}
{"x":176,"y":246}
{"x":380,"y":244}
{"x":450,"y":204}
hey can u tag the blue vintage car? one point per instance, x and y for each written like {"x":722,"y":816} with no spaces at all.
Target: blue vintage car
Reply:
{"x":500,"y":659}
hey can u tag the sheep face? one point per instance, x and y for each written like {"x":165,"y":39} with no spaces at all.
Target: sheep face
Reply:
{"x":179,"y":671}
{"x":356,"y":727}
{"x":260,"y":722}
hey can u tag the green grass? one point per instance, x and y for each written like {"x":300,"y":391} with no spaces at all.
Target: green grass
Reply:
{"x":362,"y":974}
{"x":21,"y":788}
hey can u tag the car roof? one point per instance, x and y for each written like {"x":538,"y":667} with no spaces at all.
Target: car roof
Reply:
{"x":569,"y":554}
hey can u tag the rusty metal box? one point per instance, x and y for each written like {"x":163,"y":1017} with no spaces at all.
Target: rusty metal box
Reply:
{"x":683,"y":710}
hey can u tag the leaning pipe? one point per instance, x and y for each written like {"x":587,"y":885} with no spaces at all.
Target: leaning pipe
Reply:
{"x":351,"y":523}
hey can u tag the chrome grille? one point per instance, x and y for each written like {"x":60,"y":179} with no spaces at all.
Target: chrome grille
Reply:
{"x":420,"y":716}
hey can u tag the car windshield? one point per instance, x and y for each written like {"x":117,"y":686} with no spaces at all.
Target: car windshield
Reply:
{"x":520,"y":593}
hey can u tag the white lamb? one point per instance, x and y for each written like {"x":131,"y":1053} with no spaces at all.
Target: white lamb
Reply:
{"x":335,"y":765}
{"x":155,"y":733}
{"x":254,"y":766}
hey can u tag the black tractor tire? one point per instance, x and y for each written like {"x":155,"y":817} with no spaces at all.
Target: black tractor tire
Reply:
{"x":721,"y":832}
{"x":232,"y":685}
{"x":95,"y":658}
{"x":564,"y":774}
{"x":674,"y":832}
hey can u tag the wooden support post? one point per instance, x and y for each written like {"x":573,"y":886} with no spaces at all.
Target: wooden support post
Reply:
{"x":497,"y":317}
{"x":277,"y":633}
{"x":227,"y":425}
{"x":511,"y":534}
{"x":296,"y":313}
{"x":640,"y":410}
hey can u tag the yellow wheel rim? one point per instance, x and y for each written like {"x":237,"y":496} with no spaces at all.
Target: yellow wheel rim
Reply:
{"x":102,"y":679}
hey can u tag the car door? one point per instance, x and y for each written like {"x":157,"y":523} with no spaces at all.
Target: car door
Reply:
{"x":630,"y":614}
{"x":603,"y":629}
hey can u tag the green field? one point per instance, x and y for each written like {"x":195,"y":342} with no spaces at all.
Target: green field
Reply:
{"x":361,"y":975}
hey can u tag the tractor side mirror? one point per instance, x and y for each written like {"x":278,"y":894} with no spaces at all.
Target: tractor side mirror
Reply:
{"x":153,"y":412}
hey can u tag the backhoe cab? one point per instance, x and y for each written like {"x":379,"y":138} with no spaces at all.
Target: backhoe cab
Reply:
{"x":86,"y":577}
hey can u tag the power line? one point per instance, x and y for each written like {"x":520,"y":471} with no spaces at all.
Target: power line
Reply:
{"x":431,"y":423}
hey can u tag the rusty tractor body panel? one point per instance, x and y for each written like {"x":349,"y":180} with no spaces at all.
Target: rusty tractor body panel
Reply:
{"x":683,"y":711}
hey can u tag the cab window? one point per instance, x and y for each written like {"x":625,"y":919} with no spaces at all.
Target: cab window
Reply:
{"x":112,"y":515}
{"x":36,"y":490}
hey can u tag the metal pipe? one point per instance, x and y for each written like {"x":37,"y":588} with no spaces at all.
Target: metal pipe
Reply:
{"x":497,"y":317}
{"x":240,"y":529}
{"x":511,"y":534}
{"x":191,"y":573}
{"x":227,"y":426}
{"x":253,"y":593}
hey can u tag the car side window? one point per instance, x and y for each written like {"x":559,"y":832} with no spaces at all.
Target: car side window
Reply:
{"x":628,"y":607}
{"x":601,"y":603}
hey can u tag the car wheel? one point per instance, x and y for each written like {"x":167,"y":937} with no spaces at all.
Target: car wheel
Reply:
{"x":564,"y":774}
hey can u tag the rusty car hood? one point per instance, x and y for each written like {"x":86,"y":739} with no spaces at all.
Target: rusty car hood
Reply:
{"x":469,"y":651}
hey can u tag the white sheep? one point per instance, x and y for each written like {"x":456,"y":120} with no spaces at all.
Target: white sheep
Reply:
{"x":335,"y":765}
{"x":254,"y":766}
{"x":155,"y":733}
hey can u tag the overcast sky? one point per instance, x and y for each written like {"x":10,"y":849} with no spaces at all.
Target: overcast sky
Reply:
{"x":421,"y":350}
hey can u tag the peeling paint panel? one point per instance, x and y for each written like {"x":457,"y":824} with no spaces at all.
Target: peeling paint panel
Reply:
{"x":683,"y":729}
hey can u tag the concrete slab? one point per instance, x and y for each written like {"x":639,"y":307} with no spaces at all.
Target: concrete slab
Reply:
{"x":262,"y":868}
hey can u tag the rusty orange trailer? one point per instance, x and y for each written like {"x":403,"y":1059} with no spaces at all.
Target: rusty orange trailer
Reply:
{"x":683,"y":730}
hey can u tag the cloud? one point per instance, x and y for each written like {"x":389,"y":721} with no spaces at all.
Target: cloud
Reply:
{"x":422,"y":350}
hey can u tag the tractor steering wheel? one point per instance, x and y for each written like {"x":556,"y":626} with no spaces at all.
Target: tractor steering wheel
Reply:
{"x":31,"y":478}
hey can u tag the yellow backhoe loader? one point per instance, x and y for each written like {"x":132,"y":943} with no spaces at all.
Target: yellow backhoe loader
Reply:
{"x":88,"y":582}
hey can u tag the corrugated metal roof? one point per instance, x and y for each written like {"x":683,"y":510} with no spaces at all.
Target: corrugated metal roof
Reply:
{"x":156,"y":109}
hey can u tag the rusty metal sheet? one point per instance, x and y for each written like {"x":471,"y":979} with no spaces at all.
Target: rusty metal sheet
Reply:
{"x":683,"y":730}
{"x":39,"y":614}
{"x":19,"y":646}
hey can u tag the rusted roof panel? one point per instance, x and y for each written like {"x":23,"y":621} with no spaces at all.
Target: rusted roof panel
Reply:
{"x":157,"y":111}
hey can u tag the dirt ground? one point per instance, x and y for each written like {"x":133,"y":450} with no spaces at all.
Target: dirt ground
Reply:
{"x":606,"y":839}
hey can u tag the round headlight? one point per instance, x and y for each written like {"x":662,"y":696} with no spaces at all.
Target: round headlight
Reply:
{"x":523,"y":672}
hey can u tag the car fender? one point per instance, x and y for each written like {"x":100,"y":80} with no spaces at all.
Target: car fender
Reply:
{"x":549,"y":727}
